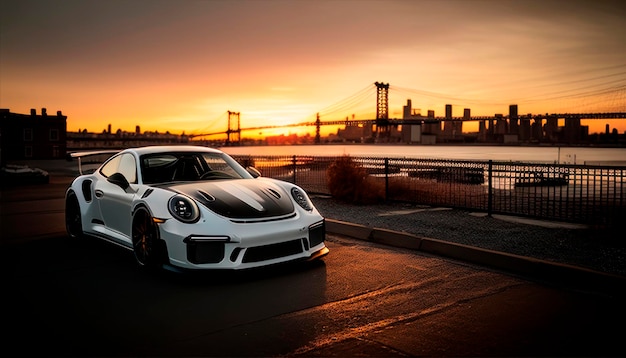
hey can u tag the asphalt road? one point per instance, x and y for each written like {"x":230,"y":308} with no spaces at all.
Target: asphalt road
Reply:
{"x":88,"y":298}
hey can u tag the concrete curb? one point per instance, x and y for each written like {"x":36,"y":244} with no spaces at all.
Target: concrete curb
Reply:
{"x":555,"y":273}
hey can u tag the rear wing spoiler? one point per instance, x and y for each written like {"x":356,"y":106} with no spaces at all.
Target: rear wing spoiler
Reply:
{"x":83,"y":155}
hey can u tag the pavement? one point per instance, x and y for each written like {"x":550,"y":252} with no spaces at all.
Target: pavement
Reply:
{"x":546,"y":271}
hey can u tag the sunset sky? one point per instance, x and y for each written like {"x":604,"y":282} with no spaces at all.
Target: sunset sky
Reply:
{"x":180,"y":65}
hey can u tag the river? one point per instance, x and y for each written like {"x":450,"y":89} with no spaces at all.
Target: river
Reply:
{"x":563,"y":155}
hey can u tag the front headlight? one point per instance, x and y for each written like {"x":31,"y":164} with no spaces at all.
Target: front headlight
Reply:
{"x":183,"y":209}
{"x":301,"y":198}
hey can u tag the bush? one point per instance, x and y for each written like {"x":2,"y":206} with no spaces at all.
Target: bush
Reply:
{"x":246,"y":161}
{"x":348,"y":181}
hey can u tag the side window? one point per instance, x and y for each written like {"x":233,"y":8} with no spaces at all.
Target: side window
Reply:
{"x":110,"y":167}
{"x":128,"y":168}
{"x":124,"y":164}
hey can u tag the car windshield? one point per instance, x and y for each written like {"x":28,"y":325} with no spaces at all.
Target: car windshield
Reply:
{"x":189,"y":166}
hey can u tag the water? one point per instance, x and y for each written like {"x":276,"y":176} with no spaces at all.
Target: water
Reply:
{"x":563,"y":155}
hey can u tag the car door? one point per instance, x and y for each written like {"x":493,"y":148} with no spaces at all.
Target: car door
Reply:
{"x":115,"y":202}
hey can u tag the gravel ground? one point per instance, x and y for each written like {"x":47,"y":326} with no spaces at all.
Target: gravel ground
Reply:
{"x":568,"y":244}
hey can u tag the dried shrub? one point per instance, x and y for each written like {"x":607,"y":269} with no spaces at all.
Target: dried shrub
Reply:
{"x":246,"y":161}
{"x":399,"y":187}
{"x":348,"y":181}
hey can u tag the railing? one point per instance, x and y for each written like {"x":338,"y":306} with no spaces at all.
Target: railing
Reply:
{"x":587,"y":194}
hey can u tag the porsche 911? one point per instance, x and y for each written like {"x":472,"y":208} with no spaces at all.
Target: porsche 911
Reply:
{"x":193,"y":208}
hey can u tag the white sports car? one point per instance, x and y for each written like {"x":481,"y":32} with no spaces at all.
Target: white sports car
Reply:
{"x":189,"y":207}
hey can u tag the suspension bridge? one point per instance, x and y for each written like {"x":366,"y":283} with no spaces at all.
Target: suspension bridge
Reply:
{"x":527,"y":126}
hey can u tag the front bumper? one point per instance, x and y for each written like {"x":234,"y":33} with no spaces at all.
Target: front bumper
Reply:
{"x":247,"y":245}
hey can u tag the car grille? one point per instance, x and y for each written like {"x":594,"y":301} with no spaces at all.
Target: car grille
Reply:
{"x":205,"y":252}
{"x":268,"y":252}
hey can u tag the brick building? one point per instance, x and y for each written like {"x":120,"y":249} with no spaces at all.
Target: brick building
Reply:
{"x":32,"y":136}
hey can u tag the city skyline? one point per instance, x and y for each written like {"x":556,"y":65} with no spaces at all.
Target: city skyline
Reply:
{"x":471,"y":121}
{"x":181,"y":65}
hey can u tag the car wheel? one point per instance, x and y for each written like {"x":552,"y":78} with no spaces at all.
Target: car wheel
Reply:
{"x":145,"y":240}
{"x":73,"y":219}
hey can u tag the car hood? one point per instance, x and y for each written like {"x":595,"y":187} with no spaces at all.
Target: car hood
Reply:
{"x":240,"y":198}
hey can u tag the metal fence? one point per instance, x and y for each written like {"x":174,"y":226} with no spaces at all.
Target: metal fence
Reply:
{"x":593,"y":195}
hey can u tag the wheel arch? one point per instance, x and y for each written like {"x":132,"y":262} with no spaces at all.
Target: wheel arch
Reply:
{"x":73,"y":215}
{"x":138,"y":207}
{"x":70,"y":191}
{"x":161,"y":245}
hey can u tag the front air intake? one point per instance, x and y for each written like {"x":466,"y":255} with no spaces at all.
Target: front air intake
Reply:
{"x":274,"y":251}
{"x":317,"y":233}
{"x":205,"y":252}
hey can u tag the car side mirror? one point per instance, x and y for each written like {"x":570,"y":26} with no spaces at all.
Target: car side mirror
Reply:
{"x":254,"y":172}
{"x":119,"y":180}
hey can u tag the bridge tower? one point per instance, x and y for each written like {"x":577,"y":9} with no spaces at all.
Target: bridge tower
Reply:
{"x":382,"y":109}
{"x":318,"y":123}
{"x":232,"y":116}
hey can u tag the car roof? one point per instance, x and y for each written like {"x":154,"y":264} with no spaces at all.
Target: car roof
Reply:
{"x":172,"y":148}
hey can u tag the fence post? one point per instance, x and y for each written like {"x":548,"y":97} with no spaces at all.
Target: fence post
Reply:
{"x":294,"y":163}
{"x":386,"y":179}
{"x":490,"y":192}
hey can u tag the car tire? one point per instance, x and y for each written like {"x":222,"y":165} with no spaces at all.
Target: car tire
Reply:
{"x":145,"y":238}
{"x":73,"y":218}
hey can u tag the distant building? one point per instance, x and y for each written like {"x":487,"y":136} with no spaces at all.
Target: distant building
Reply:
{"x":432,"y":127}
{"x":352,"y":133}
{"x":411,"y":133}
{"x":32,"y":136}
{"x":82,"y":140}
{"x":452,"y":130}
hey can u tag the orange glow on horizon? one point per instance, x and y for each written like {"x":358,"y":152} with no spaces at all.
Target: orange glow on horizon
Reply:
{"x":178,"y":67}
{"x":595,"y":126}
